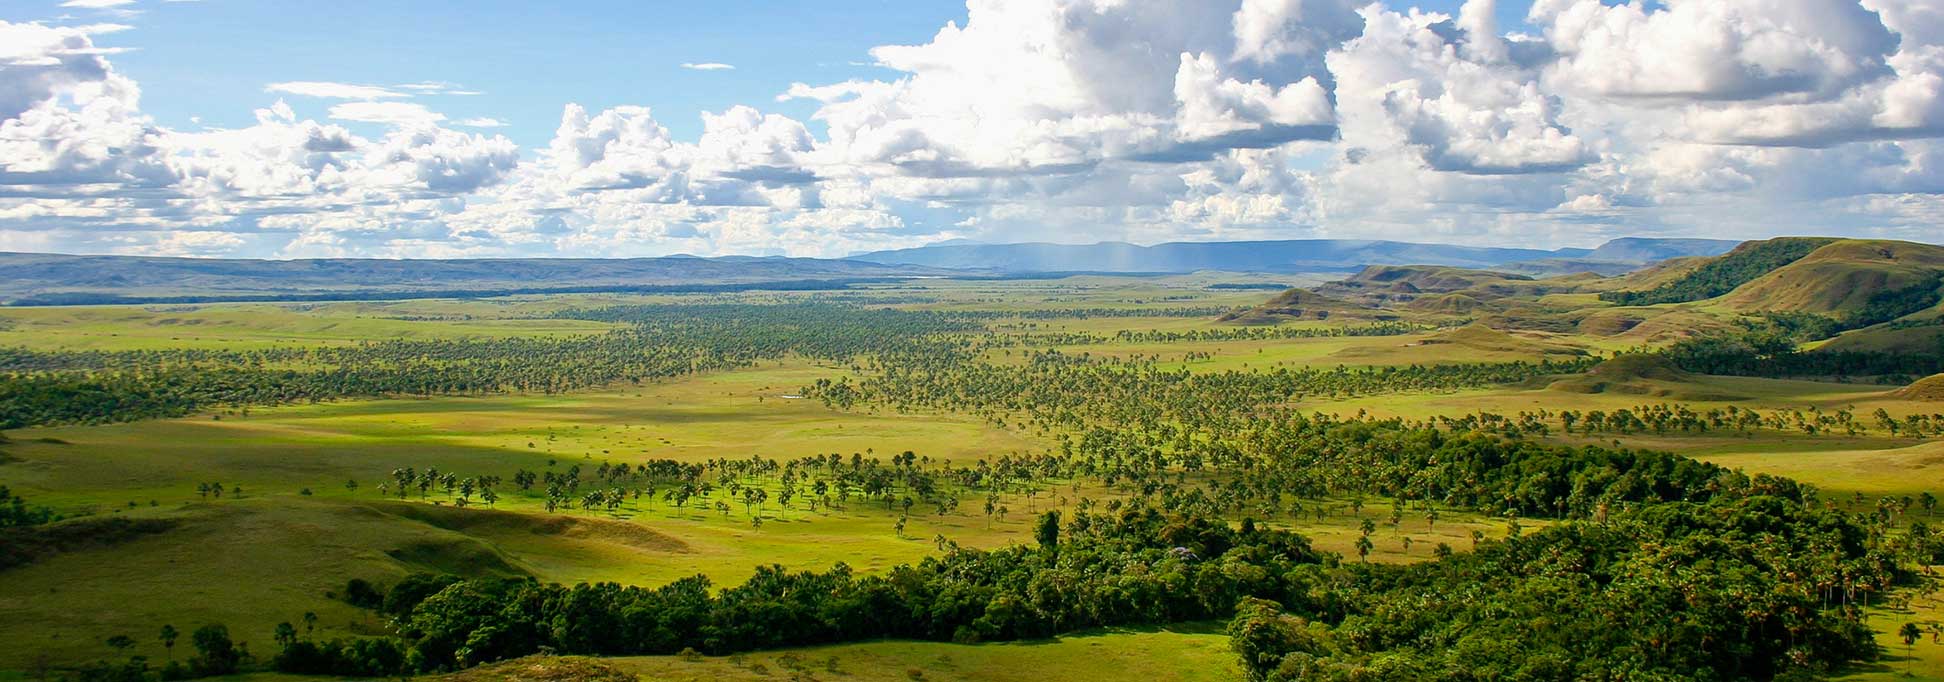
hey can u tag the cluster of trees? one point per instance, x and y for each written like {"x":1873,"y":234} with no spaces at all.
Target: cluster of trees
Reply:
{"x":1052,"y":388}
{"x":1723,"y":274}
{"x":1614,"y":599}
{"x":48,"y":387}
{"x":1887,"y":306}
{"x":460,"y":489}
{"x":1890,"y":304}
{"x":1771,"y":355}
{"x":1139,"y":566}
{"x":15,"y":512}
{"x":1662,"y":418}
{"x":906,"y":484}
{"x":215,"y":655}
{"x":1028,"y":338}
{"x":1729,"y":589}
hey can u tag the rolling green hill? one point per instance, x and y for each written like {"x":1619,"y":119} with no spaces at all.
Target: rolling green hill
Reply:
{"x":1293,"y":304}
{"x":1873,"y":280}
{"x":1723,"y":274}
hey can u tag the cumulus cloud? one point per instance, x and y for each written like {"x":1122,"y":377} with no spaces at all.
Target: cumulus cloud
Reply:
{"x":1450,"y":93}
{"x":80,"y":160}
{"x":1070,"y":120}
{"x":1714,"y":49}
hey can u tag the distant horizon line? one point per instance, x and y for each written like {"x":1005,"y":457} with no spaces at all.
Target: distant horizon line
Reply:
{"x":939,"y":244}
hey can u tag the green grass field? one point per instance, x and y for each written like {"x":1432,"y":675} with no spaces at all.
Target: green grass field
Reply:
{"x":230,"y":557}
{"x":1187,"y":653}
{"x":298,"y":531}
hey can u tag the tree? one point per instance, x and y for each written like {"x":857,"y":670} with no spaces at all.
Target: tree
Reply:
{"x":1363,"y":547}
{"x":168,"y":637}
{"x":1048,"y":530}
{"x":285,"y":635}
{"x":215,"y":653}
{"x":120,"y":643}
{"x":1910,"y":633}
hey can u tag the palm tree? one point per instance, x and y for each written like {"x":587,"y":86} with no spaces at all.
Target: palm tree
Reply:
{"x":168,"y":637}
{"x":1910,"y":633}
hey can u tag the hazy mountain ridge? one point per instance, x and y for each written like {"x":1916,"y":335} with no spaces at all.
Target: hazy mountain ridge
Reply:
{"x":1295,"y":255}
{"x":24,"y":275}
{"x":55,"y":278}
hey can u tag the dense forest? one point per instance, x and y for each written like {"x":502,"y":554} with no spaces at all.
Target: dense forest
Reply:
{"x":662,"y":342}
{"x":1770,"y":355}
{"x":1614,"y":592}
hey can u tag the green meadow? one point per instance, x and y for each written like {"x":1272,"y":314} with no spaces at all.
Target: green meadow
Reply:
{"x":308,"y":497}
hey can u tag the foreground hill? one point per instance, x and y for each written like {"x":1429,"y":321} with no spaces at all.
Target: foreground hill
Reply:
{"x":54,"y":278}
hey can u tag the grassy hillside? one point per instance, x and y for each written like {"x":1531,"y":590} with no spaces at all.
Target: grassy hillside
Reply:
{"x":1746,"y":263}
{"x":1871,"y":279}
{"x":1653,"y":276}
{"x":1188,"y":653}
{"x":1294,"y":304}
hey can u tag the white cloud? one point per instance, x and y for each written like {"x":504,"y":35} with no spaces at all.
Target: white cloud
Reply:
{"x":1714,"y":49}
{"x":438,"y":88}
{"x":1066,"y":120}
{"x":329,"y":90}
{"x":708,"y":66}
{"x":97,"y":4}
{"x":389,"y":113}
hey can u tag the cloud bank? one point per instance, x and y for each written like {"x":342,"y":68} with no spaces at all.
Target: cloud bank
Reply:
{"x":1062,"y":120}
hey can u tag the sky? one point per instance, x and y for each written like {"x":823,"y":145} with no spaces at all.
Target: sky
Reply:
{"x":252,"y":128}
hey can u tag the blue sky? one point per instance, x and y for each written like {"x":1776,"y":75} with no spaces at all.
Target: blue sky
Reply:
{"x":277,"y":129}
{"x":210,"y":60}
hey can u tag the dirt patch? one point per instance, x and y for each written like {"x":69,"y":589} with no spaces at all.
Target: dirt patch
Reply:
{"x":490,"y":521}
{"x":1610,"y":323}
{"x":23,"y":546}
{"x":466,"y":557}
{"x":1642,"y":375}
{"x":542,"y":669}
{"x":1928,"y":389}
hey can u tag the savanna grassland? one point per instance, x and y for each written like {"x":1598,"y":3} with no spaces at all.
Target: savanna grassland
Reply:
{"x":1715,"y":468}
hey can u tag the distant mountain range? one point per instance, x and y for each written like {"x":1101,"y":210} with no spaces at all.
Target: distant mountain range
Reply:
{"x":30,"y":278}
{"x":1294,"y":255}
{"x":52,"y":279}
